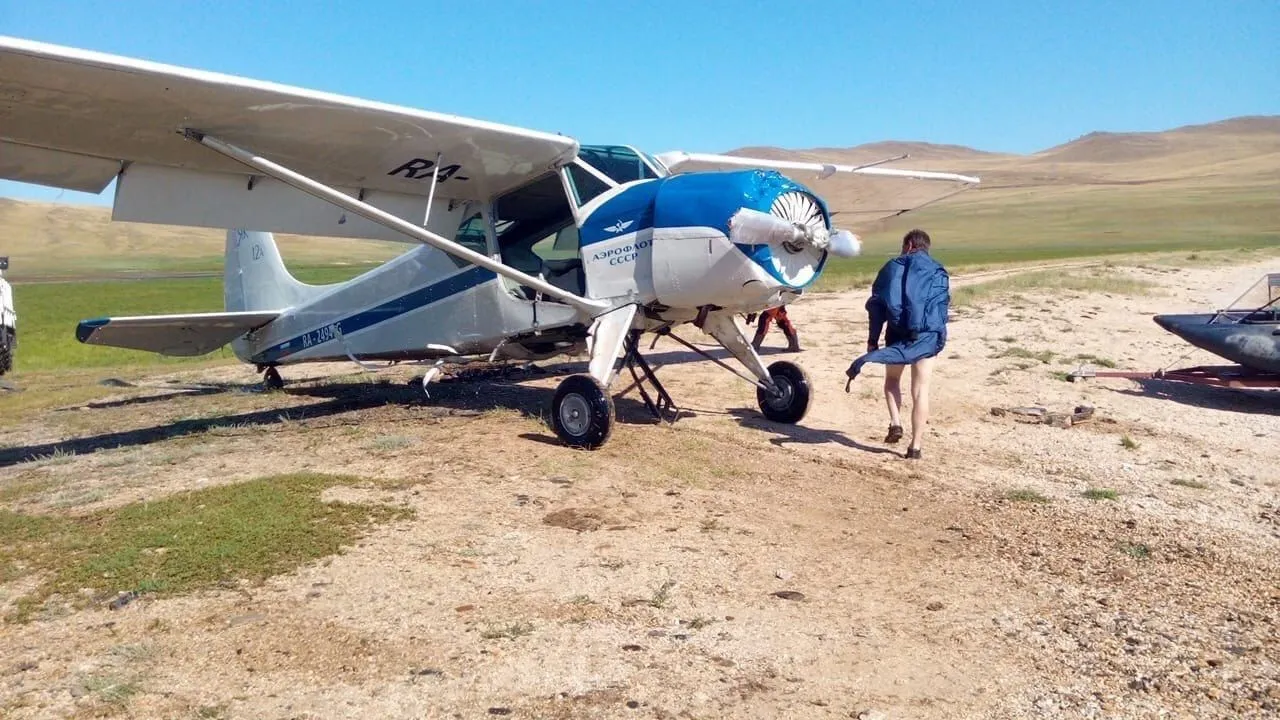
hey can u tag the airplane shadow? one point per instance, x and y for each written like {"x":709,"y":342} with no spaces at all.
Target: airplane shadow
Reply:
{"x":159,"y":433}
{"x":338,"y":398}
{"x":751,"y":418}
{"x":169,"y":394}
{"x":1250,"y":401}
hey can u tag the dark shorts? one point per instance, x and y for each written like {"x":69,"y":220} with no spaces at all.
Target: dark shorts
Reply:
{"x":892,"y":336}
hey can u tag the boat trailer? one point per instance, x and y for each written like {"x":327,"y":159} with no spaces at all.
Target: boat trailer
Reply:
{"x":1232,"y":376}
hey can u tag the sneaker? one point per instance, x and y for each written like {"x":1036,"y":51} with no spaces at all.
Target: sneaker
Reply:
{"x":895,"y":434}
{"x":913,"y":453}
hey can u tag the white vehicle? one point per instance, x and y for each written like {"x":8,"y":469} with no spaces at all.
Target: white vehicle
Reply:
{"x":8,"y":321}
{"x":529,"y":244}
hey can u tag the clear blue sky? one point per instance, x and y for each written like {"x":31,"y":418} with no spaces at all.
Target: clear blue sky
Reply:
{"x":712,"y":75}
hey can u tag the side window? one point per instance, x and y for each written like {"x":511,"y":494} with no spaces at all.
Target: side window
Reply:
{"x":619,"y":163}
{"x":585,"y":185}
{"x":471,"y":236}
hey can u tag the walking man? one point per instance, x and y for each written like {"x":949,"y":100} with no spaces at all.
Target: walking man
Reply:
{"x":909,"y":303}
{"x":766,"y":318}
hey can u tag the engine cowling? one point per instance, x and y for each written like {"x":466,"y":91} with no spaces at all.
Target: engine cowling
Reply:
{"x":730,"y":239}
{"x":701,"y":256}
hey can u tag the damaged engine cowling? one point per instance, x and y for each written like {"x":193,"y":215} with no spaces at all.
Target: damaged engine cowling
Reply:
{"x":739,"y":239}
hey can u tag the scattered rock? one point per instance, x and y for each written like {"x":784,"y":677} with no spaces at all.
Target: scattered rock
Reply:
{"x":633,"y":648}
{"x":246,"y":619}
{"x":934,"y":606}
{"x":123,"y":599}
{"x":465,"y":608}
{"x":499,"y":711}
{"x":789,"y":595}
{"x":781,"y":574}
{"x":633,"y":704}
{"x":1039,"y":415}
{"x":871,"y":715}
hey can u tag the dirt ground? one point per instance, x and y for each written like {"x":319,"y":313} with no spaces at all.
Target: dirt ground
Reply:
{"x":719,"y":567}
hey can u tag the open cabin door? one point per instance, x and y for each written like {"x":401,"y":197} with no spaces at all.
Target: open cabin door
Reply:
{"x":536,"y":232}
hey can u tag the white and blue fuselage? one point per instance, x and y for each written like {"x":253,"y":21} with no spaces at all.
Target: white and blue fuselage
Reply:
{"x":627,"y":234}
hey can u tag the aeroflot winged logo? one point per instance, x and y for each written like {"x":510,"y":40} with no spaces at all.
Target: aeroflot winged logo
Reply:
{"x":619,"y":226}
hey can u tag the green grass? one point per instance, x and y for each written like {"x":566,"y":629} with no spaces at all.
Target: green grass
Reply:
{"x":1101,"y":280}
{"x":1141,"y":551}
{"x":1042,"y":356}
{"x":993,"y":227}
{"x":1100,"y":494}
{"x":1095,"y":360}
{"x":49,"y":312}
{"x":185,"y":542}
{"x":1128,"y":443}
{"x":1026,"y":495}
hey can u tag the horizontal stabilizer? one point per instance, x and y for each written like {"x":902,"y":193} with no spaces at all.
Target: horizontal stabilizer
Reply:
{"x":181,"y":335}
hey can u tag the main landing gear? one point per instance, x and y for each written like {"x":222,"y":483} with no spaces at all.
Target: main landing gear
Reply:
{"x":582,"y":411}
{"x":790,"y":401}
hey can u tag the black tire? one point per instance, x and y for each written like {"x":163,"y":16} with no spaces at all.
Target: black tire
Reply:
{"x":793,"y":403}
{"x":272,"y":380}
{"x":6,"y":351}
{"x":582,"y":412}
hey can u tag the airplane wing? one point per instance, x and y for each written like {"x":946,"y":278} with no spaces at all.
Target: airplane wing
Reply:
{"x":680,"y":161}
{"x":869,"y":193}
{"x":181,"y":335}
{"x":77,"y":119}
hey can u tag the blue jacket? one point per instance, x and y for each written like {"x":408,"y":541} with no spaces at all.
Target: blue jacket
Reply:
{"x":910,"y":298}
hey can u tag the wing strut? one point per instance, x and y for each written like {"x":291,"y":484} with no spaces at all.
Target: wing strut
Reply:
{"x":387,"y":220}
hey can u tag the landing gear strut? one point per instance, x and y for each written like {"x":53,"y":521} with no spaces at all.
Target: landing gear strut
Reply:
{"x":582,"y":412}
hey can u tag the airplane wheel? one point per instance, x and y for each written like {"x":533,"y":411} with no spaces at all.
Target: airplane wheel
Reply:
{"x":582,"y":412}
{"x":272,"y":379}
{"x":6,"y":351}
{"x":792,"y":402}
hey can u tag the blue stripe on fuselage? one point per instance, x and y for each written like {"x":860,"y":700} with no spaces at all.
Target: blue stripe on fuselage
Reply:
{"x":409,"y":302}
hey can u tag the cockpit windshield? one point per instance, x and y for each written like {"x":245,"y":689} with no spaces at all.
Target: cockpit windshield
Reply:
{"x":619,"y":162}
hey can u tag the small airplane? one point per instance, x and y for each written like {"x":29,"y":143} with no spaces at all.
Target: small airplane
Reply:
{"x":1246,"y":332}
{"x":530,"y":245}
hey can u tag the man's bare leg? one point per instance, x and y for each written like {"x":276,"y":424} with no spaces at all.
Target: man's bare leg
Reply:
{"x":893,"y":398}
{"x":921,"y":372}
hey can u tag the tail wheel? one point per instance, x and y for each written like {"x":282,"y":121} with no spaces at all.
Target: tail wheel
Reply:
{"x":582,"y":412}
{"x":791,"y":401}
{"x":272,"y":380}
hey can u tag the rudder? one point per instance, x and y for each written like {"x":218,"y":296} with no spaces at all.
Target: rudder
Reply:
{"x":255,"y":277}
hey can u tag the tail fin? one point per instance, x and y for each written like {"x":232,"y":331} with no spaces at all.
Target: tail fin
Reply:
{"x":255,"y":277}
